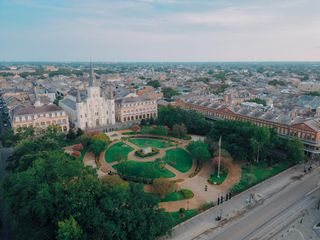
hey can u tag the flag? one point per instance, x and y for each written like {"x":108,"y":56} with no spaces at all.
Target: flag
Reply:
{"x":220,"y":142}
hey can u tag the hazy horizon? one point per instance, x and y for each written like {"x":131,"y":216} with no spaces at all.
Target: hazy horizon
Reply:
{"x":160,"y":31}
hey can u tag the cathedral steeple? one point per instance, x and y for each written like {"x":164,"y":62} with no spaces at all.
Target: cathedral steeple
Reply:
{"x":91,"y":76}
{"x":78,"y":96}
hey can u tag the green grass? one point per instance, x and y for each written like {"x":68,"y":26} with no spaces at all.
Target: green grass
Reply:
{"x":214,"y":177}
{"x":118,"y":151}
{"x":175,"y":218}
{"x":179,"y":159}
{"x":149,"y":170}
{"x":254,"y":174}
{"x":179,"y":195}
{"x":146,"y":142}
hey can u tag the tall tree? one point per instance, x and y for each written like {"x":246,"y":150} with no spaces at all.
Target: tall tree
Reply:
{"x":69,"y":229}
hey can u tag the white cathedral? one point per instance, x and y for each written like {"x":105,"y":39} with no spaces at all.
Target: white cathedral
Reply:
{"x":92,"y":108}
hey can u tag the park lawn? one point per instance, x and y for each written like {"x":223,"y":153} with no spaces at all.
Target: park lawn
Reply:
{"x":254,"y":174}
{"x":118,"y":151}
{"x":179,"y":159}
{"x":179,"y":195}
{"x":175,"y":218}
{"x":151,"y":170}
{"x":262,"y":171}
{"x":214,"y":177}
{"x":146,"y":142}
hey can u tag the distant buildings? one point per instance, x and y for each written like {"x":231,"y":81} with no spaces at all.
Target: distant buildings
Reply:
{"x":309,"y":86}
{"x":92,"y":108}
{"x":39,"y":116}
{"x":305,"y":129}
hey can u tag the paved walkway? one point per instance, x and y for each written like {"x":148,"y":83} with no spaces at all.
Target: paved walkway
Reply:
{"x":197,"y":185}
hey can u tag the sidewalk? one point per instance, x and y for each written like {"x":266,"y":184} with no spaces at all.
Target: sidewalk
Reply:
{"x":238,"y":205}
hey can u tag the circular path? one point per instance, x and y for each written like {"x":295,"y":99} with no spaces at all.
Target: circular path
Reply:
{"x":196,"y":183}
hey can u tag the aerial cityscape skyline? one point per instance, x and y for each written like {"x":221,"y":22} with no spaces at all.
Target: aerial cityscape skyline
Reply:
{"x":151,"y":30}
{"x":160,"y":119}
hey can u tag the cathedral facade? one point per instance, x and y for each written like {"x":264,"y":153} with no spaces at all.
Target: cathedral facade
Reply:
{"x":91,"y":108}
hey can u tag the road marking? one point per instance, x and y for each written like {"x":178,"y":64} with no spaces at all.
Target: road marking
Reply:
{"x":313,"y":190}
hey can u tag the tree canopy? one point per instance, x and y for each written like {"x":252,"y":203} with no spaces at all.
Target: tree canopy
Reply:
{"x":56,"y":196}
{"x":169,"y":92}
{"x":243,"y":140}
{"x":199,"y":151}
{"x":154,"y":83}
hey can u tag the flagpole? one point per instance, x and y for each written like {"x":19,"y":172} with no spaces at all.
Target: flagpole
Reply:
{"x":219,"y":157}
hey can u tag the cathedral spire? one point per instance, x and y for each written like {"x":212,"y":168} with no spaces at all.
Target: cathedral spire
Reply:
{"x":78,"y":96}
{"x":91,"y":76}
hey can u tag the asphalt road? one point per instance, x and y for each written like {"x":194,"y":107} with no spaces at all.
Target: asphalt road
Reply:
{"x":261,"y":221}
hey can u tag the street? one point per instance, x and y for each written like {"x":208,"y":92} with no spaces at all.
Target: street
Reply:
{"x":262,"y":221}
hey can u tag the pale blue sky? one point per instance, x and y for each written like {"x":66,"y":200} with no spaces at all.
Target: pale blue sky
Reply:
{"x":160,"y":30}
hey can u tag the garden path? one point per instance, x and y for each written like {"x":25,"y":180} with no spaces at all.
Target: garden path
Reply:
{"x":197,"y":185}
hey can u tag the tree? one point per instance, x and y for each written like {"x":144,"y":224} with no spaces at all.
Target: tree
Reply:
{"x":71,"y":134}
{"x":199,"y":151}
{"x":114,"y":181}
{"x":53,"y":131}
{"x":194,"y":121}
{"x":102,"y":137}
{"x":163,"y":187}
{"x":79,"y":132}
{"x":179,"y":130}
{"x":154,"y":83}
{"x":97,"y":146}
{"x":69,"y":229}
{"x":84,"y":140}
{"x":143,"y":122}
{"x":8,"y":138}
{"x":295,"y":151}
{"x":57,"y":196}
{"x":24,"y":132}
{"x":161,"y":130}
{"x":169,"y":92}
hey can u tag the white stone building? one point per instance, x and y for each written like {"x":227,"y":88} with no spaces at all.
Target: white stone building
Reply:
{"x":92,"y":108}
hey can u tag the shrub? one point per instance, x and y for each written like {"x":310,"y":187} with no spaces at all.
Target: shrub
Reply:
{"x":206,"y":206}
{"x":163,"y":186}
{"x":182,"y":212}
{"x":187,"y":193}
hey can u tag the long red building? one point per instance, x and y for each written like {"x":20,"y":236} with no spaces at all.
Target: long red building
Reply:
{"x":307,"y":130}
